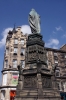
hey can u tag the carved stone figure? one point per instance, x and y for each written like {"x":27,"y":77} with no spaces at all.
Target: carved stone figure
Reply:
{"x":20,"y":68}
{"x":34,"y":21}
{"x":53,"y":68}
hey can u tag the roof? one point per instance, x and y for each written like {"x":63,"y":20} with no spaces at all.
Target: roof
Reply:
{"x":62,"y":46}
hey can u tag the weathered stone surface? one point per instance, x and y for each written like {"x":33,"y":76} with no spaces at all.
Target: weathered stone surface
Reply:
{"x":38,"y":81}
{"x":30,"y":81}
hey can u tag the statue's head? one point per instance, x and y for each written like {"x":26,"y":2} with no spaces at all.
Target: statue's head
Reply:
{"x":32,"y":13}
{"x":32,"y":9}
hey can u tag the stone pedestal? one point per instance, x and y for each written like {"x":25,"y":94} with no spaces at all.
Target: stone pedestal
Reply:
{"x":37,"y":81}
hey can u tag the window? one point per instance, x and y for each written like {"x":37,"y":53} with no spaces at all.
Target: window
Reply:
{"x":65,"y":56}
{"x":7,"y":51}
{"x":15,"y":41}
{"x":57,"y":73}
{"x":23,"y":63}
{"x":6,"y":64}
{"x":22,"y":51}
{"x":55,"y":54}
{"x":55,"y":57}
{"x":14,"y":63}
{"x":15,"y":74}
{"x":15,"y":50}
{"x":5,"y":79}
{"x":2,"y":94}
{"x":56,"y":62}
{"x":22,"y":41}
{"x":59,"y":85}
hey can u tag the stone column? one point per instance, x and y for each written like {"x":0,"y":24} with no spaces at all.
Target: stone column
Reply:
{"x":7,"y":94}
{"x":20,"y":82}
{"x":39,"y":86}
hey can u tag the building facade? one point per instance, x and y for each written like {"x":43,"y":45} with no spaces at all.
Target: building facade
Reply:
{"x":57,"y":59}
{"x":15,"y":54}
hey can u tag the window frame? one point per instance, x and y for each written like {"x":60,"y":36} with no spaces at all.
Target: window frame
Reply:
{"x":56,"y":61}
{"x":23,"y":51}
{"x":23,"y":63}
{"x":15,"y":50}
{"x":23,"y":41}
{"x":4,"y":81}
{"x":57,"y":71}
{"x":15,"y":41}
{"x":2,"y":94}
{"x":14,"y":64}
{"x":55,"y":54}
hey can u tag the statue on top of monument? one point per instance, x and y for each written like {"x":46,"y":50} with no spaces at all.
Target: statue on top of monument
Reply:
{"x":34,"y":21}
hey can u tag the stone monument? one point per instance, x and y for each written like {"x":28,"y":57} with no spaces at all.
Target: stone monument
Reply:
{"x":36,"y":81}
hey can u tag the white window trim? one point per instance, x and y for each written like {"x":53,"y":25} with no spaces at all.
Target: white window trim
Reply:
{"x":56,"y":62}
{"x":23,"y":63}
{"x":4,"y":79}
{"x":22,"y":41}
{"x":55,"y":54}
{"x":15,"y":50}
{"x":15,"y":41}
{"x":23,"y":51}
{"x":14,"y":63}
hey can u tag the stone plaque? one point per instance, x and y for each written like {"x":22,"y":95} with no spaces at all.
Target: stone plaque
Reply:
{"x":30,"y":81}
{"x":46,"y":82}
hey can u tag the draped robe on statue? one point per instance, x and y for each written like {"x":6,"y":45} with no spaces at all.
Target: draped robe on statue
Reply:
{"x":34,"y":21}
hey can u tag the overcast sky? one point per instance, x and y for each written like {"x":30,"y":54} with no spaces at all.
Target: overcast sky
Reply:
{"x":53,"y":20}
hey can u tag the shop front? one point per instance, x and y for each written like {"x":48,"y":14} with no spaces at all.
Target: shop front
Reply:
{"x":12,"y":94}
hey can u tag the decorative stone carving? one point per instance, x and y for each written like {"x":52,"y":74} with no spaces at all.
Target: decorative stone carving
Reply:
{"x":36,"y":52}
{"x":37,"y":81}
{"x":46,"y":82}
{"x":30,"y":81}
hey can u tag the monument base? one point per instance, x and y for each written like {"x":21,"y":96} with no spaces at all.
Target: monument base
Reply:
{"x":36,"y":81}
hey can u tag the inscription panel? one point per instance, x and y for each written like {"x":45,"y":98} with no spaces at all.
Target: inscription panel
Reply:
{"x":36,"y":52}
{"x":30,"y":81}
{"x":46,"y":82}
